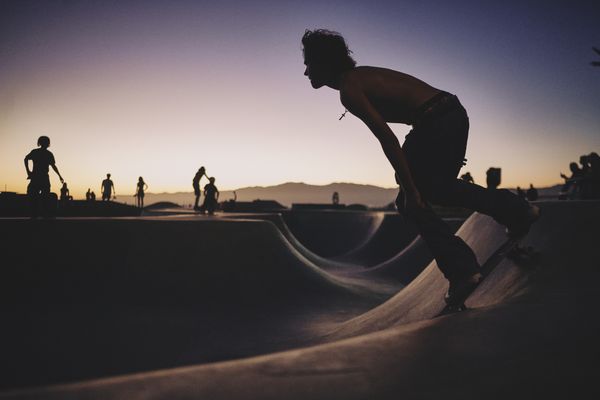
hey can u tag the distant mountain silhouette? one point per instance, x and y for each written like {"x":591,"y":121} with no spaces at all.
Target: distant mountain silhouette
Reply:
{"x":298,"y":192}
{"x":294,"y":192}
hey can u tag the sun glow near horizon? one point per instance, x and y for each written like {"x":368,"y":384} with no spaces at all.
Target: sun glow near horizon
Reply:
{"x":157,"y":91}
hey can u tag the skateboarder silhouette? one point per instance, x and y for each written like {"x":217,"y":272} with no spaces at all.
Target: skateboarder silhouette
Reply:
{"x":38,"y":189}
{"x":196,"y":184}
{"x":427,"y":164}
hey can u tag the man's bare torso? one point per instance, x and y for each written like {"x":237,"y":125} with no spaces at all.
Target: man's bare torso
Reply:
{"x":395,"y":95}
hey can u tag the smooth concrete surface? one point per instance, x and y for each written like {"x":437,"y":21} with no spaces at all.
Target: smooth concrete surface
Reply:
{"x":531,"y":331}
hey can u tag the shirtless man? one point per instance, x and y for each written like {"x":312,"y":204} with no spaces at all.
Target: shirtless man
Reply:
{"x":107,"y":188}
{"x":38,"y":189}
{"x":428,"y":162}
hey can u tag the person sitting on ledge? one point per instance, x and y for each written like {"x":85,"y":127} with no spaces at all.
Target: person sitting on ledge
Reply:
{"x":427,"y":164}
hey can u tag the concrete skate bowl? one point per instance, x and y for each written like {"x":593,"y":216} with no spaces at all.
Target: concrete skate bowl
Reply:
{"x":332,"y":233}
{"x":389,"y":246}
{"x":85,"y":298}
{"x":531,"y":332}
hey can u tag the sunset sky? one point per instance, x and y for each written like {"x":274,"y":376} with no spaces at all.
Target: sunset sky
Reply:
{"x":159,"y":88}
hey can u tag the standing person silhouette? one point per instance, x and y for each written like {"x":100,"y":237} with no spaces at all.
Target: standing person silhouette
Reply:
{"x":427,"y":164}
{"x":38,"y":189}
{"x":108,"y":187}
{"x":139,"y":192}
{"x":196,"y":184}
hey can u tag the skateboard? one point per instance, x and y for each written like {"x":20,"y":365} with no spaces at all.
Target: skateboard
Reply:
{"x":511,"y":249}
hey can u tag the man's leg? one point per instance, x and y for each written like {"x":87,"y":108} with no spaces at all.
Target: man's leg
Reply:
{"x":454,"y":257}
{"x":33,"y":196}
{"x":504,"y":206}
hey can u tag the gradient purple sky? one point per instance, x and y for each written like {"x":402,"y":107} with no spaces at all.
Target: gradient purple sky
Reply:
{"x":159,"y":88}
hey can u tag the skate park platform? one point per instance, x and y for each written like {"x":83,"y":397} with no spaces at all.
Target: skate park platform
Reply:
{"x":239,"y":308}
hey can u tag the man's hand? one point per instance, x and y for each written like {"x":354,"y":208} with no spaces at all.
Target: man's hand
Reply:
{"x":61,"y":179}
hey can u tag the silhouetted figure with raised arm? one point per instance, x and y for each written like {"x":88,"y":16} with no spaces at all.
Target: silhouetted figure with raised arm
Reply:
{"x":467,"y":177}
{"x":571,"y":187}
{"x":108,"y":187}
{"x":211,"y":197}
{"x":38,"y":189}
{"x":428,"y":162}
{"x":196,"y":184}
{"x":139,"y":192}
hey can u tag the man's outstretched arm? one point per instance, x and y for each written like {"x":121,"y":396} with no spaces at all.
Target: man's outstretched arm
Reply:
{"x":55,"y":168}
{"x":357,"y":103}
{"x":26,"y":161}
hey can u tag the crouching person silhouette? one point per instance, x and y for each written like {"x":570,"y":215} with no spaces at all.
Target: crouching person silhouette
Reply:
{"x":428,"y":162}
{"x":211,"y":197}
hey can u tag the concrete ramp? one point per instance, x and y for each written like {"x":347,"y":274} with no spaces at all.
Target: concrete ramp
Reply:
{"x":332,"y":233}
{"x":531,"y":333}
{"x":391,"y":237}
{"x":84,"y":298}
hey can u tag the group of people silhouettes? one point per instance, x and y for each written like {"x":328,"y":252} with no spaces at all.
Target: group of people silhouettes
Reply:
{"x":211,"y":193}
{"x":584,"y":182}
{"x":38,"y":189}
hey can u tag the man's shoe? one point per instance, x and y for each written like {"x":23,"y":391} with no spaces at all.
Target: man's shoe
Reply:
{"x":521,"y":227}
{"x":459,"y":290}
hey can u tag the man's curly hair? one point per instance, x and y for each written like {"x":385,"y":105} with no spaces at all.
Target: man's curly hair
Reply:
{"x":327,"y":48}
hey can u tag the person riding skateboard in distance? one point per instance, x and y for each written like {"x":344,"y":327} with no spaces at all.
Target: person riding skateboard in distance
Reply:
{"x":427,"y":164}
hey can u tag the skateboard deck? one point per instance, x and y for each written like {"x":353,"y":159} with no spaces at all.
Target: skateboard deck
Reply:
{"x":511,"y":249}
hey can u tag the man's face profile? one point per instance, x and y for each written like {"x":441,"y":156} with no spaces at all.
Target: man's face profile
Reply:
{"x":314,"y":73}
